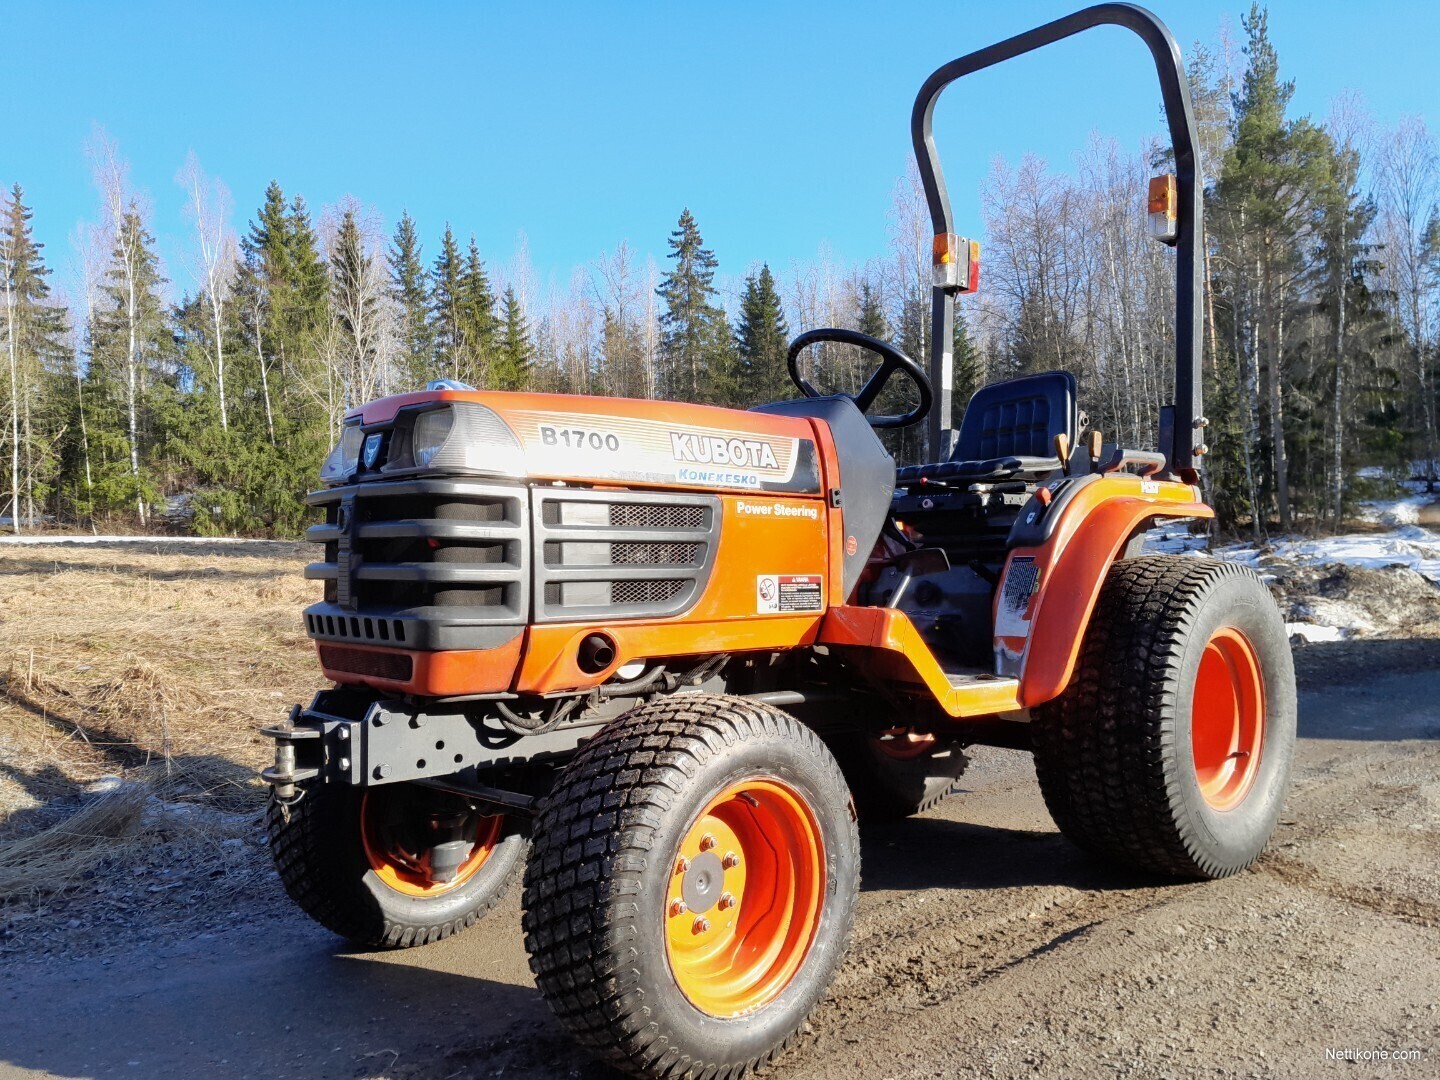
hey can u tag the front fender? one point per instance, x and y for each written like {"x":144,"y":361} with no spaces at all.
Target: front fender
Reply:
{"x":1048,"y":591}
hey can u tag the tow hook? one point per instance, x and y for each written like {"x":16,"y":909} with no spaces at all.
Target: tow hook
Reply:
{"x":283,"y":776}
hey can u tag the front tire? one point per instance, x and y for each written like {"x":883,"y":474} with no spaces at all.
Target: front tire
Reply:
{"x":693,"y":885}
{"x":356,"y":860}
{"x":1170,"y":750}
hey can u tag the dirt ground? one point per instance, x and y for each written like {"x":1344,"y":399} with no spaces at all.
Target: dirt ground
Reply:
{"x":986,"y":946}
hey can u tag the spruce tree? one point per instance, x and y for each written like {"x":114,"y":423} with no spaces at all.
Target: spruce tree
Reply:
{"x":280,"y":430}
{"x":693,"y":334}
{"x":34,"y":332}
{"x":515,"y":354}
{"x":1269,"y":194}
{"x":409,"y":289}
{"x":356,"y":308}
{"x":265,"y":269}
{"x":446,"y":301}
{"x":312,"y":283}
{"x":872,"y":313}
{"x":969,"y":367}
{"x":479,"y":322}
{"x":759,"y":373}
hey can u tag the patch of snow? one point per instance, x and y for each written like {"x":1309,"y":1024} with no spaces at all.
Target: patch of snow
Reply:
{"x":1404,"y":511}
{"x":86,"y":538}
{"x":1312,"y":632}
{"x":1176,"y":542}
{"x":1409,"y":545}
{"x":1245,"y":554}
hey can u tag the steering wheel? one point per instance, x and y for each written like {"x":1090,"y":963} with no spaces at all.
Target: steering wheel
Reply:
{"x":894,"y":360}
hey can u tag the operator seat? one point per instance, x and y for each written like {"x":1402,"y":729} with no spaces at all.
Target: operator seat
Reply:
{"x":1007,"y":433}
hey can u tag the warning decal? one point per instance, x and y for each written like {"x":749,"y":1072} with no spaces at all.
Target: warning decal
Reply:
{"x":777,"y":594}
{"x":1013,"y":617}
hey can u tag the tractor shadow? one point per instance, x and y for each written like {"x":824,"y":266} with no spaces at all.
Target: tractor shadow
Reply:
{"x":298,"y":1008}
{"x":937,"y":853}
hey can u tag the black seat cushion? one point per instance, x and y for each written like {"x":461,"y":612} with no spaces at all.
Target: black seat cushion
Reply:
{"x":1008,"y":432}
{"x":971,"y":472}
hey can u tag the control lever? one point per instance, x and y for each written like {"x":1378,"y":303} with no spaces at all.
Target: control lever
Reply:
{"x":1062,"y":451}
{"x":913,"y":564}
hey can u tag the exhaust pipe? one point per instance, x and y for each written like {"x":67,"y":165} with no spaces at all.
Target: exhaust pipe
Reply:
{"x":597,"y":652}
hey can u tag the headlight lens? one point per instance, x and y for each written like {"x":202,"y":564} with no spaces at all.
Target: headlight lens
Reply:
{"x":463,"y":436}
{"x":431,"y":430}
{"x":342,"y":461}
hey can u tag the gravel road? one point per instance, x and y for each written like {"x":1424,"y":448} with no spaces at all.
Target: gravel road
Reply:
{"x":986,"y":946}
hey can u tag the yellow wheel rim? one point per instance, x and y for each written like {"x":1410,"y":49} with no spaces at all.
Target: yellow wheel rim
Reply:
{"x":744,"y":897}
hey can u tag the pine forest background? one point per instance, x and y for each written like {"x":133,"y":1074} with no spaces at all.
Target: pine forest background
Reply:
{"x":1322,"y":311}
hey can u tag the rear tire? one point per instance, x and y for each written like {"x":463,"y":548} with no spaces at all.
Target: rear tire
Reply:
{"x":1170,"y":750}
{"x":757,"y":808}
{"x":330,"y":849}
{"x":894,"y":777}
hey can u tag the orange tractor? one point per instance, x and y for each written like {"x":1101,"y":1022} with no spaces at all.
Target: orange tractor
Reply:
{"x":658,"y":657}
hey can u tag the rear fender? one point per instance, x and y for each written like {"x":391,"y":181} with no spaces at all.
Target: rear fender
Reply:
{"x":1049,"y":587}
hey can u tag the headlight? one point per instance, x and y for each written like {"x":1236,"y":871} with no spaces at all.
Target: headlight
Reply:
{"x":463,"y":436}
{"x":431,"y":430}
{"x":342,"y":461}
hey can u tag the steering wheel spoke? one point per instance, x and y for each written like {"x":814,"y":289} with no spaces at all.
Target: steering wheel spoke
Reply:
{"x":892,"y":360}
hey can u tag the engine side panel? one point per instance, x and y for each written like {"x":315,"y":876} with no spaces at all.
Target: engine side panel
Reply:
{"x":769,"y":589}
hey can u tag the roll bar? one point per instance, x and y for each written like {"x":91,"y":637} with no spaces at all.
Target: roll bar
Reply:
{"x":1181,"y":424}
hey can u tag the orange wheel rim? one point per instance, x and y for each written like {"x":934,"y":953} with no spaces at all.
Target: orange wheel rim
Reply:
{"x":404,"y":867}
{"x":1227,"y":719}
{"x":744,"y":897}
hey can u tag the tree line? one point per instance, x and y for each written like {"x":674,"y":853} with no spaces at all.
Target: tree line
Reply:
{"x":1322,"y":290}
{"x":1322,"y":274}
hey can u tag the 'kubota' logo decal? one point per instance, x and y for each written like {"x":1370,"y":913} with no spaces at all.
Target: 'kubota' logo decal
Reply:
{"x":713,"y":450}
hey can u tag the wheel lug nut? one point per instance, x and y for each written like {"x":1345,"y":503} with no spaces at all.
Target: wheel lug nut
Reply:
{"x":701,"y":925}
{"x":726,"y":901}
{"x":683,"y":865}
{"x":678,"y":907}
{"x":707,"y":842}
{"x":730,"y":861}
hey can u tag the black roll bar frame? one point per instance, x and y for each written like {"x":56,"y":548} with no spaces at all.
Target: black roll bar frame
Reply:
{"x":1181,"y":424}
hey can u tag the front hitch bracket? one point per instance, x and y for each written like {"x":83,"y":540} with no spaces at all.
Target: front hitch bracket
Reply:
{"x":345,"y":738}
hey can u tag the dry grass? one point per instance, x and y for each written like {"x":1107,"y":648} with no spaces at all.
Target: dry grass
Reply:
{"x":144,"y":662}
{"x":53,"y":857}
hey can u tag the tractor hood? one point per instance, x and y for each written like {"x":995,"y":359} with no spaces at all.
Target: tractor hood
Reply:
{"x":570,"y":438}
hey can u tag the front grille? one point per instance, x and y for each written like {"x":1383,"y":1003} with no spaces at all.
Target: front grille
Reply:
{"x":621,"y":555}
{"x":421,"y":563}
{"x":644,"y":592}
{"x":629,"y":515}
{"x":360,"y":628}
{"x":397,"y":667}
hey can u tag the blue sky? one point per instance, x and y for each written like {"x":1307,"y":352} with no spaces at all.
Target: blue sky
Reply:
{"x":783,"y":126}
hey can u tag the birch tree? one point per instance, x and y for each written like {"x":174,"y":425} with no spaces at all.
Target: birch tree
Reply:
{"x":209,"y":206}
{"x":125,"y":230}
{"x":1408,"y":188}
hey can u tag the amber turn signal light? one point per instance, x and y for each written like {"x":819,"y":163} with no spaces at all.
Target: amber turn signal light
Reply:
{"x":957,"y":263}
{"x":1163,"y":206}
